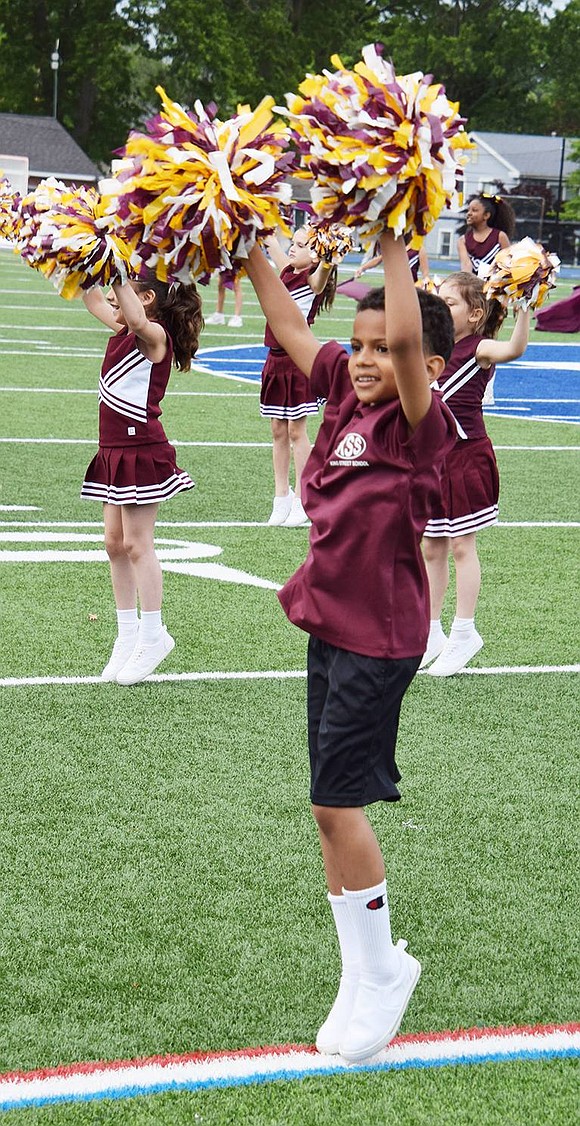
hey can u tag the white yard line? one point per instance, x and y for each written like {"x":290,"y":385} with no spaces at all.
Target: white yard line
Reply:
{"x":281,"y":674}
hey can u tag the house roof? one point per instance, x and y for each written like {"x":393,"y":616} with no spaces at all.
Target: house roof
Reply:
{"x":535,"y":157}
{"x":51,"y":151}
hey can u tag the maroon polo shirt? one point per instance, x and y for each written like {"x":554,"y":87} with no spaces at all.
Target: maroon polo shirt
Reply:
{"x":368,"y":488}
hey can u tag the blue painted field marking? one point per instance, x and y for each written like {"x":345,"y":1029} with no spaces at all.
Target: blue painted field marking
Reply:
{"x":544,"y":384}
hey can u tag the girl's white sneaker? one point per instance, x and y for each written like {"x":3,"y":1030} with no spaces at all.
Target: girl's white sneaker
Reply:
{"x":281,"y":509}
{"x":122,"y":650}
{"x":145,"y":658}
{"x":297,"y":516}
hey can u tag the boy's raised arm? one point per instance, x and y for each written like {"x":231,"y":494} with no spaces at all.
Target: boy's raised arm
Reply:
{"x":282,"y":313}
{"x":404,"y":331}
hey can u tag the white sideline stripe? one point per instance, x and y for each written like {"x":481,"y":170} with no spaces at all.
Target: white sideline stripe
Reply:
{"x":559,"y":448}
{"x":93,"y":442}
{"x":249,"y":523}
{"x":50,"y":328}
{"x":175,"y":442}
{"x":131,"y":1078}
{"x":91,"y":391}
{"x":289,"y":674}
{"x":46,"y":353}
{"x":19,"y":508}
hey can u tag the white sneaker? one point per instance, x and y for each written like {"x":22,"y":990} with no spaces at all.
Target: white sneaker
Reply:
{"x":216,"y":319}
{"x":378,"y":1011}
{"x":434,"y":647}
{"x":122,"y":650}
{"x":456,"y":655}
{"x":297,"y":516}
{"x":281,"y":509}
{"x":235,"y":322}
{"x":145,"y":658}
{"x":332,"y":1031}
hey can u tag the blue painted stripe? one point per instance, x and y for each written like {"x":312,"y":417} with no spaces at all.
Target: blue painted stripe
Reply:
{"x":288,"y":1075}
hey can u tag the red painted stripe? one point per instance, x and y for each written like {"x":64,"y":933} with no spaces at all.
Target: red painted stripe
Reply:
{"x":280,"y":1050}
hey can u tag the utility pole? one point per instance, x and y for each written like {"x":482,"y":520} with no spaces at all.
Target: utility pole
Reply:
{"x":54,"y":65}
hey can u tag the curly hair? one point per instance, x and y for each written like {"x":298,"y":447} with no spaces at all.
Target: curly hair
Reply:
{"x":329,"y":291}
{"x":178,"y":309}
{"x":470,"y":289}
{"x":501,"y":213}
{"x":438,"y":334}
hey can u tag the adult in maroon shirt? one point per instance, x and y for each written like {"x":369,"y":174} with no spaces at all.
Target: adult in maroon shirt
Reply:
{"x":362,"y":597}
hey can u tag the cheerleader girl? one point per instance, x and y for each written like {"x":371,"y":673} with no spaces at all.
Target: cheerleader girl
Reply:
{"x":491,"y":225}
{"x":285,"y":396}
{"x":153,"y":324}
{"x":470,"y":480}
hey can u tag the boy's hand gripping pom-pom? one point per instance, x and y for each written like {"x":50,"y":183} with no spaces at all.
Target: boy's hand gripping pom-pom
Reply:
{"x":521,"y":275}
{"x":196,"y":191}
{"x":382,"y":149}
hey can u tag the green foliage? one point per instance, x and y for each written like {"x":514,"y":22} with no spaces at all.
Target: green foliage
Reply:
{"x":161,"y":888}
{"x":511,"y":66}
{"x":97,"y":99}
{"x":571,"y":209}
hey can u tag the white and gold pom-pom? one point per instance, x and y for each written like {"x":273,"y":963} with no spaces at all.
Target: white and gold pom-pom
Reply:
{"x":69,"y":235}
{"x":194,"y":188}
{"x":330,"y":242}
{"x":381,"y":148}
{"x":521,"y":275}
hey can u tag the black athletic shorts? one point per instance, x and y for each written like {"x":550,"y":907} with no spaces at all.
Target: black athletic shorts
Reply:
{"x":353,"y":717}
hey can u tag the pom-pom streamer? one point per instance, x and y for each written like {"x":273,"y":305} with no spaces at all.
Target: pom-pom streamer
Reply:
{"x":382,"y":149}
{"x":521,"y":275}
{"x":330,"y":242}
{"x":69,"y":235}
{"x":195,"y":190}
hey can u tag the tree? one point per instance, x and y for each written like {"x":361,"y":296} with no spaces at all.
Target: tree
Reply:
{"x":488,"y":54}
{"x":559,"y":92}
{"x":96,"y":84}
{"x":571,"y":209}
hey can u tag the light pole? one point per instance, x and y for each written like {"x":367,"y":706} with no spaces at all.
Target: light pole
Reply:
{"x":54,"y":65}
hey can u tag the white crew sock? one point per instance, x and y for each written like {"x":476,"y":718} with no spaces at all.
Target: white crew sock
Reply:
{"x":369,"y":911}
{"x":150,"y":627}
{"x":127,"y":624}
{"x":462,"y":628}
{"x":436,"y":632}
{"x":347,"y":937}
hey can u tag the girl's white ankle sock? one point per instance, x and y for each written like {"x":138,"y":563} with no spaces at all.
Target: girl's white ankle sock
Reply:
{"x":150,"y":626}
{"x":127,"y":623}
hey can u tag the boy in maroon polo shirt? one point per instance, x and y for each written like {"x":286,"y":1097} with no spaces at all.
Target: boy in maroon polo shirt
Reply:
{"x":362,"y":596}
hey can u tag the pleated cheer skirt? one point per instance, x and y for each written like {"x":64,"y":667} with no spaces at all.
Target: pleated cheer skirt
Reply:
{"x":135,"y":475}
{"x":469,"y":491}
{"x":285,"y":391}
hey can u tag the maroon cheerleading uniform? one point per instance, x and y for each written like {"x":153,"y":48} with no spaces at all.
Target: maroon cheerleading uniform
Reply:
{"x":135,"y":463}
{"x":470,"y":478}
{"x":482,"y":253}
{"x":413,"y":257}
{"x":285,"y":391}
{"x":368,"y":488}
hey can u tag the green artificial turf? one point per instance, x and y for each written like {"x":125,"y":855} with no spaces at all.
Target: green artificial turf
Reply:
{"x":160,"y":883}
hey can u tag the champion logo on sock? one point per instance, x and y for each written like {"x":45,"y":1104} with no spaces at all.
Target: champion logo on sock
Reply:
{"x":374,"y":904}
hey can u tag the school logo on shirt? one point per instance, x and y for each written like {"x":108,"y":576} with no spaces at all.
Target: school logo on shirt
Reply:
{"x":350,"y":450}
